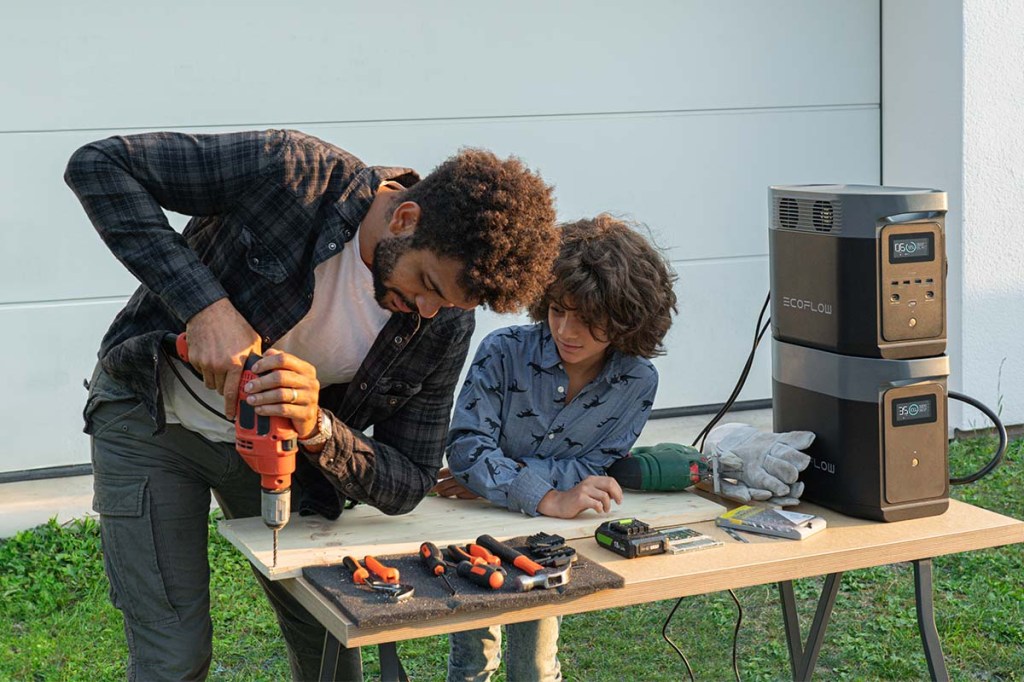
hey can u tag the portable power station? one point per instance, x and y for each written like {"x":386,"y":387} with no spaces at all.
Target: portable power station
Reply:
{"x":858,"y":291}
{"x":859,"y":270}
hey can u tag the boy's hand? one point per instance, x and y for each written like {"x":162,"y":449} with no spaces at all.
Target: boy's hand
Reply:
{"x":593,"y":492}
{"x":448,"y":486}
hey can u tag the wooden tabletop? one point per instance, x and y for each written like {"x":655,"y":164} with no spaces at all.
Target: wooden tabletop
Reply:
{"x":846,"y":544}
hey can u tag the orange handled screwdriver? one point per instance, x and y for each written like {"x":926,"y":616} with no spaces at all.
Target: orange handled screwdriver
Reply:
{"x":385,"y":573}
{"x":481,"y":574}
{"x":482,"y":552}
{"x":431,"y":556}
{"x":359,"y":574}
{"x":509,"y":555}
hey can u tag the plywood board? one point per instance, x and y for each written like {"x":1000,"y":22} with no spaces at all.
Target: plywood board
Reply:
{"x":315,"y":541}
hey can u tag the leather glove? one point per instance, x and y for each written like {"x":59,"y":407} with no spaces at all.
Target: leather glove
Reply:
{"x":762,"y":466}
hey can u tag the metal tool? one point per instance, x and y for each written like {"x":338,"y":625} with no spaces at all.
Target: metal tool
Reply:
{"x":394,"y":592}
{"x":430,"y":555}
{"x":544,"y":580}
{"x":734,"y":535}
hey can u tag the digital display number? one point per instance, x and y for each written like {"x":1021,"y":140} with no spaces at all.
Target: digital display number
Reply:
{"x":912,"y":248}
{"x":915,"y":410}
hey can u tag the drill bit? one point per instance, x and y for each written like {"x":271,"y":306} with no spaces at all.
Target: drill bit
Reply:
{"x":275,"y":549}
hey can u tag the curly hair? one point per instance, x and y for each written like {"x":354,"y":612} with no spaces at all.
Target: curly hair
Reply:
{"x":619,"y":283}
{"x":495,"y":216}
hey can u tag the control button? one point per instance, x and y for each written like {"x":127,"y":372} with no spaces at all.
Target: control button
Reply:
{"x":914,"y":462}
{"x":913,"y":322}
{"x":895,"y":298}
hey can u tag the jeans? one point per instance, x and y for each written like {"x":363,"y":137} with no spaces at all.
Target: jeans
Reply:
{"x":153,"y":497}
{"x":531,"y":656}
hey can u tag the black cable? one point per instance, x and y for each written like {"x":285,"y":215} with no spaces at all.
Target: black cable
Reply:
{"x":181,"y":380}
{"x":736,"y":636}
{"x":664,"y":634}
{"x":759,"y":332}
{"x":1000,"y":451}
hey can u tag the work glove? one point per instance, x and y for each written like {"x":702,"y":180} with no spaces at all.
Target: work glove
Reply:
{"x":754,"y":465}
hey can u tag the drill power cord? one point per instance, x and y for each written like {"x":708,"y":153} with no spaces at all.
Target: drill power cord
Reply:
{"x":181,"y":380}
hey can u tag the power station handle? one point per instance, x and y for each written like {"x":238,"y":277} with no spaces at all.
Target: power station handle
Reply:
{"x":509,"y":555}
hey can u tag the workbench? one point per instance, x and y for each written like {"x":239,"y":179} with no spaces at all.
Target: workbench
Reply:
{"x":846,"y":544}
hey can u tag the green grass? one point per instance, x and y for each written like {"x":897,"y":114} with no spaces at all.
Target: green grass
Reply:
{"x":56,"y":622}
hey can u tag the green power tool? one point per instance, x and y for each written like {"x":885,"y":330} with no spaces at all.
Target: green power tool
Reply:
{"x":661,"y":467}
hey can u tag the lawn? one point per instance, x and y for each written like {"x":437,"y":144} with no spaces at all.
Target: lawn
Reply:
{"x":60,"y":625}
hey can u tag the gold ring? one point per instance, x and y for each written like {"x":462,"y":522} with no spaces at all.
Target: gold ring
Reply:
{"x":295,"y":395}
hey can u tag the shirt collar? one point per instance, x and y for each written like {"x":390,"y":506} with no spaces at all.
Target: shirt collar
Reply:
{"x":616,"y":364}
{"x":351,"y":207}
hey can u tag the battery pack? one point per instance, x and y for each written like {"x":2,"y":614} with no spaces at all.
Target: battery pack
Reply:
{"x":630,"y":538}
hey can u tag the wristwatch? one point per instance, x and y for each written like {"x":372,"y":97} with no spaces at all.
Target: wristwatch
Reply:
{"x":323,"y":432}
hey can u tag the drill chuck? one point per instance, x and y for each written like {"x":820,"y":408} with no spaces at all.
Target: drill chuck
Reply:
{"x":277,"y":508}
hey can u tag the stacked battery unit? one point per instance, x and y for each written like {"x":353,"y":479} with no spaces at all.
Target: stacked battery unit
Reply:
{"x":858,"y":309}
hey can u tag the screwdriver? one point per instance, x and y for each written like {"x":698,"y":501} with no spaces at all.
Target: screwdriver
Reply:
{"x":481,"y":574}
{"x":431,"y":556}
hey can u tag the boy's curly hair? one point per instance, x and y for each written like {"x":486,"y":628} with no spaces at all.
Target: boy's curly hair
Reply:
{"x":618,"y":282}
{"x":495,"y":216}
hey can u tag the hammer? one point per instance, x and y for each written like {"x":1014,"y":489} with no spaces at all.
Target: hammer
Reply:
{"x":544,"y":580}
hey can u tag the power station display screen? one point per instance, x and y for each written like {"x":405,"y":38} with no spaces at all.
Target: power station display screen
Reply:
{"x":912,"y":248}
{"x":913,"y":410}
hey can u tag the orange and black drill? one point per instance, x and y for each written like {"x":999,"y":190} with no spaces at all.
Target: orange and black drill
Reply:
{"x":267,"y":444}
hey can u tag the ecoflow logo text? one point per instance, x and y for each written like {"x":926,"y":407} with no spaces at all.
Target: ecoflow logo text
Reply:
{"x":807,"y":305}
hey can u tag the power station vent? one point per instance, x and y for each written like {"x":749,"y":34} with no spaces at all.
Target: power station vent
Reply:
{"x":811,"y":215}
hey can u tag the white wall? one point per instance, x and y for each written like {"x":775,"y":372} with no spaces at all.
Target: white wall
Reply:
{"x":953,"y":118}
{"x":678,"y":113}
{"x":993,"y":229}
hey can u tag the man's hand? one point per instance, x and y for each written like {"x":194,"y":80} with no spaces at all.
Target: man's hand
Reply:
{"x":593,"y":492}
{"x":289,"y":390}
{"x":219,"y":341}
{"x":448,"y":486}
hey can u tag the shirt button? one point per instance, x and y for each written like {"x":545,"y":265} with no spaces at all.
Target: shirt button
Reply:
{"x":332,"y":246}
{"x":392,"y":401}
{"x":309,"y":297}
{"x":348,"y":234}
{"x":266,"y":340}
{"x":362,"y":386}
{"x":255,"y":261}
{"x":561,"y":389}
{"x":399,"y":340}
{"x":551,"y":435}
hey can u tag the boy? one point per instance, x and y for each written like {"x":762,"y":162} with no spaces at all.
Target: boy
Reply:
{"x":546,"y":408}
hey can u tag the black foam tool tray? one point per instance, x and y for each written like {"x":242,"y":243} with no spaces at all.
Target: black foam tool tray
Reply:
{"x":432,"y":599}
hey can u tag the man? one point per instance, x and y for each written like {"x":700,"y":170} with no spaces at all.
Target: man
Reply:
{"x":358,"y":284}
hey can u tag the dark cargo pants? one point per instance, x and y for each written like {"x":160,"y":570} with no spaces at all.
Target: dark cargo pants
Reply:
{"x":153,"y":497}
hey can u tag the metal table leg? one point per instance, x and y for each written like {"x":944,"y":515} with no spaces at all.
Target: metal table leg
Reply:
{"x":926,"y":620}
{"x":340,"y":663}
{"x":802,"y":658}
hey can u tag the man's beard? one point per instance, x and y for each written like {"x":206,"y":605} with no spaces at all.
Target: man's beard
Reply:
{"x":385,"y":257}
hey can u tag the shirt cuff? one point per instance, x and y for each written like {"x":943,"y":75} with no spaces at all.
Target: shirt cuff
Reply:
{"x":527,"y":491}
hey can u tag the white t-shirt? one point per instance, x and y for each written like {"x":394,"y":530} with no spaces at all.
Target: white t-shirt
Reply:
{"x":334,"y":336}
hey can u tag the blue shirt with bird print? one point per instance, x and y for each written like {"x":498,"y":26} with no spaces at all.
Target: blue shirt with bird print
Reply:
{"x":514,"y":437}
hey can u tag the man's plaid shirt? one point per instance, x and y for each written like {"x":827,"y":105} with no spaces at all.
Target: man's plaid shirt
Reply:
{"x":267,"y":208}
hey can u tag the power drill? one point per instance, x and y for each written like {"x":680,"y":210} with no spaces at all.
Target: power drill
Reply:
{"x":267,"y":444}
